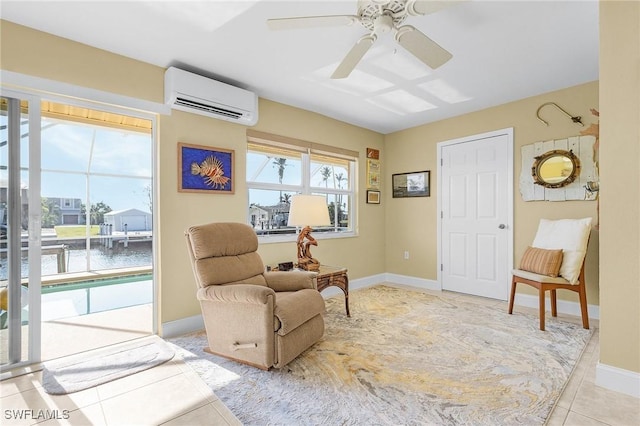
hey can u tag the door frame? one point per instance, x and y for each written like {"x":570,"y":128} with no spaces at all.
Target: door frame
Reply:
{"x":510,"y":196}
{"x":16,"y":338}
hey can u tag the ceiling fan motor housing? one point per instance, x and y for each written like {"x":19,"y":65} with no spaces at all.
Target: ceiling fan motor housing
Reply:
{"x":381,"y":16}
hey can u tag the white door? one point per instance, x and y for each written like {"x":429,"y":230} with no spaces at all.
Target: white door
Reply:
{"x":476,"y":214}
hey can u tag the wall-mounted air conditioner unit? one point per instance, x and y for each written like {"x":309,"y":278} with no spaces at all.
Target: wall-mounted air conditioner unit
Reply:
{"x":201,"y":95}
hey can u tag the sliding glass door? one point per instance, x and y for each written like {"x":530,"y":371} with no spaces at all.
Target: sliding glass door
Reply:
{"x":76,"y":228}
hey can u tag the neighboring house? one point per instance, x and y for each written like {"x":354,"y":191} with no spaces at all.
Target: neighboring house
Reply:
{"x":70,"y":210}
{"x":278,"y":215}
{"x":129,"y":220}
{"x":269,"y":217}
{"x":258,"y":217}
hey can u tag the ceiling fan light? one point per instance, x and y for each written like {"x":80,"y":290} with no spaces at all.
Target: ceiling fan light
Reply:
{"x":383,"y":24}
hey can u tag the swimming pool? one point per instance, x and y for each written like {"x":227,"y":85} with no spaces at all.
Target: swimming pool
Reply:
{"x":95,"y":295}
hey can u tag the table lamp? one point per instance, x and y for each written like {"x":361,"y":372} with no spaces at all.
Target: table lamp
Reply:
{"x":306,"y":211}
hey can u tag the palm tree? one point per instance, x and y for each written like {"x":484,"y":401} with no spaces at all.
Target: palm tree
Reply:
{"x":285,"y":199}
{"x":96,"y":212}
{"x":50,"y":213}
{"x":280,"y":163}
{"x":326,"y":174}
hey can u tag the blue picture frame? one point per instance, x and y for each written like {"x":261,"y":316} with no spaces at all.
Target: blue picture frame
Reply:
{"x":205,"y":169}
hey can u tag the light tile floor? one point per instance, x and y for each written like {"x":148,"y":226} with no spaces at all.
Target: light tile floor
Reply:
{"x":169,"y":394}
{"x":172,"y":394}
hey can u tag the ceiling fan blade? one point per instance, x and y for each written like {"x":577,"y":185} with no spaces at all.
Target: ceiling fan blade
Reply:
{"x":354,"y":56}
{"x":422,"y":47}
{"x":426,"y":7}
{"x":311,"y":22}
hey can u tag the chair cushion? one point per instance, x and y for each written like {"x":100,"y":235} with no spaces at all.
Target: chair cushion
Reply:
{"x":538,"y":277}
{"x":244,"y":268}
{"x":570,"y":235}
{"x":294,"y":308}
{"x":291,"y":280}
{"x":542,"y":261}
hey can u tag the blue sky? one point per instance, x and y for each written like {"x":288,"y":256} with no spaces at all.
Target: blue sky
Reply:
{"x":120,"y":163}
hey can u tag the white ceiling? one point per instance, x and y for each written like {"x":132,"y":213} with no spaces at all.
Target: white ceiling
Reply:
{"x":502,"y":51}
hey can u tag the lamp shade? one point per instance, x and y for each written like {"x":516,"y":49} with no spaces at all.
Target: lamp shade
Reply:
{"x":308,"y":210}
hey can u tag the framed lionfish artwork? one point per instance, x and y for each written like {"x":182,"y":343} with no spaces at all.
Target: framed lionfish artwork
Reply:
{"x":205,"y":169}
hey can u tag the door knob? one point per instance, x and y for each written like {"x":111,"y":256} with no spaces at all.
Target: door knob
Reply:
{"x":502,"y":226}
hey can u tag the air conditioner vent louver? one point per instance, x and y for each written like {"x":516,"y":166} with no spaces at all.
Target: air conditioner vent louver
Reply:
{"x":208,"y":108}
{"x":194,"y":93}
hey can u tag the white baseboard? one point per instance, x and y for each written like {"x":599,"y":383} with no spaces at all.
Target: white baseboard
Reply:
{"x":366,"y":281}
{"x":182,"y":326}
{"x":355,"y":285}
{"x":564,"y":307}
{"x":422,"y":283}
{"x":618,"y":380}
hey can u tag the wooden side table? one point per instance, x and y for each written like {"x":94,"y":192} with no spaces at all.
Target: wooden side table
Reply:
{"x":332,"y":276}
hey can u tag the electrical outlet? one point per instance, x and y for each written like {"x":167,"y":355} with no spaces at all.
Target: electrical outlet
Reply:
{"x":406,"y":255}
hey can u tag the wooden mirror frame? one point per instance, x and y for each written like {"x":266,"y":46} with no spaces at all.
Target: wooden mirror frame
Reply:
{"x":541,"y":159}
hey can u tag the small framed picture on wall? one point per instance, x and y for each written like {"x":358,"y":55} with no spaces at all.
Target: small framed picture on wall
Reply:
{"x":412,"y":184}
{"x":373,"y":197}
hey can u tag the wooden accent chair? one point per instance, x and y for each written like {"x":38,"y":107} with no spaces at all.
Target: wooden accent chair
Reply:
{"x":555,"y":261}
{"x":264,"y":319}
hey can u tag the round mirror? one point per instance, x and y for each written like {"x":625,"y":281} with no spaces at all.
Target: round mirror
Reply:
{"x":555,"y":169}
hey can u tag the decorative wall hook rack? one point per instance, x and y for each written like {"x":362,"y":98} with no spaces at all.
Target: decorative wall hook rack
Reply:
{"x":576,"y":119}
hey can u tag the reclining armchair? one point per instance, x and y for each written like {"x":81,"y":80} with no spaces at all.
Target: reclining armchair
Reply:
{"x":264,"y":319}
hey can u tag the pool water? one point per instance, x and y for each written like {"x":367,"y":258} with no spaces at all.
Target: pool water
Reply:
{"x":81,"y":298}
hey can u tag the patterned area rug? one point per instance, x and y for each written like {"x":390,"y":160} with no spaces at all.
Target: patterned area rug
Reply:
{"x":404,"y":357}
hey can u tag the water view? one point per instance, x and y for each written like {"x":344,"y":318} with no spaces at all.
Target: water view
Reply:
{"x":100,"y":258}
{"x":90,"y":296}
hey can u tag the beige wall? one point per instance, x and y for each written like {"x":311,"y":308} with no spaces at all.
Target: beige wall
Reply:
{"x":180,"y":210}
{"x":40,"y":54}
{"x":620,"y":176}
{"x":415,"y":149}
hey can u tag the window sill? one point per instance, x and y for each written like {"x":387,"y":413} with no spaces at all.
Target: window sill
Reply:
{"x":269,"y":239}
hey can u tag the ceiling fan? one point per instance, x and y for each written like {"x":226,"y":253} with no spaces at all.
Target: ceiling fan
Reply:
{"x":379,"y":17}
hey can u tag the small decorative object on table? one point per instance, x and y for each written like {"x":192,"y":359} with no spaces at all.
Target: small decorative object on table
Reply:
{"x":306,"y":210}
{"x":285,"y":266}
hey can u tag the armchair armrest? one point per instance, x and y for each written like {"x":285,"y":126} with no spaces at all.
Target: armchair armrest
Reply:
{"x":239,"y":293}
{"x":291,"y":280}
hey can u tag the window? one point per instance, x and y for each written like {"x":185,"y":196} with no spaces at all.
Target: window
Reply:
{"x":280,"y":167}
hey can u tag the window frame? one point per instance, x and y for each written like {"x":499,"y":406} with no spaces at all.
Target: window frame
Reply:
{"x":307,"y":150}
